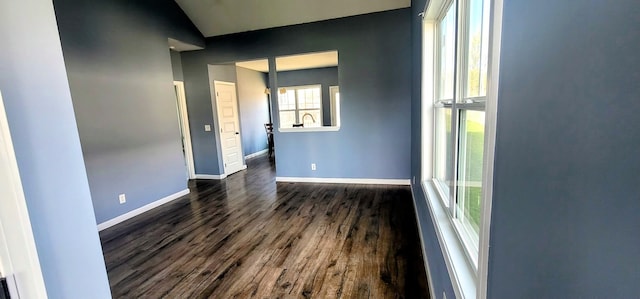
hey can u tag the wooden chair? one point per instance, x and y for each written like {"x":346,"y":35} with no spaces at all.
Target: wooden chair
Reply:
{"x":268,"y":127}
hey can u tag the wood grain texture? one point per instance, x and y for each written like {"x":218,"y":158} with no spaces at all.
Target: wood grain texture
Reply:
{"x":248,"y":237}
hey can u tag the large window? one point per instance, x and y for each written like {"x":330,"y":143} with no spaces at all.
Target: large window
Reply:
{"x":460,"y":73}
{"x":300,"y":106}
{"x":459,"y":104}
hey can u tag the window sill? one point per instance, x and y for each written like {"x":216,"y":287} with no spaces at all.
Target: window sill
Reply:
{"x":461,"y":273}
{"x":304,"y":130}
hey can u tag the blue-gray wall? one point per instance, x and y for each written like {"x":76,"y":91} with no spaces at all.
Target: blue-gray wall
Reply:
{"x":254,"y":109}
{"x":326,"y":77}
{"x":566,"y":194}
{"x":120,"y":73}
{"x":564,"y":220}
{"x":36,"y":94}
{"x":375,"y":87}
{"x":176,"y":65}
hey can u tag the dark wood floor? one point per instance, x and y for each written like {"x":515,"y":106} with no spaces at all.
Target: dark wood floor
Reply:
{"x":247,"y":237}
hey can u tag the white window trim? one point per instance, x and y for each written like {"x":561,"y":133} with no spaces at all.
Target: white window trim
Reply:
{"x":467,"y":282}
{"x":334,"y":92}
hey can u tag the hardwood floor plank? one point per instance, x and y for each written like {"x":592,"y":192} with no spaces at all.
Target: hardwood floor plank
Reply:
{"x":248,"y":237}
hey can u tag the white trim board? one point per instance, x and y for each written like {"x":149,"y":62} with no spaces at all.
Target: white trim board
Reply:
{"x":258,"y":153}
{"x":140,"y":210}
{"x":491,"y":109}
{"x":211,"y":176}
{"x":461,"y":273}
{"x":217,"y":176}
{"x":402,"y":182}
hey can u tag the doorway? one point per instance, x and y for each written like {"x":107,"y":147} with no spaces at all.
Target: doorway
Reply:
{"x":229,"y":126}
{"x":183,"y":121}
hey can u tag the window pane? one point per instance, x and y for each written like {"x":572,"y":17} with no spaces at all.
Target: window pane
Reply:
{"x":447,"y":40}
{"x":287,"y":100}
{"x":470,"y":158}
{"x":443,"y":150}
{"x":309,"y":98}
{"x":478,"y":48}
{"x":310,"y":118}
{"x":287,"y":119}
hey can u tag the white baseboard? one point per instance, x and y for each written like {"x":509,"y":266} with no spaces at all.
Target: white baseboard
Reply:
{"x":258,"y":153}
{"x":140,"y":210}
{"x":211,"y":176}
{"x":403,"y":182}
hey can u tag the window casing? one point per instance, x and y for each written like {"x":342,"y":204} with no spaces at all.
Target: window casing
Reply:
{"x":460,"y":73}
{"x":300,"y":105}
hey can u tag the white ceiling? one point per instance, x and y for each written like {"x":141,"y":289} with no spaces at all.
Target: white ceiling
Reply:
{"x":219,"y":17}
{"x":294,"y":62}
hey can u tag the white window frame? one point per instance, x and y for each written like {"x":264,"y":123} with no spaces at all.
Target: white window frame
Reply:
{"x":297,"y":110}
{"x":334,"y":93}
{"x":469,"y":278}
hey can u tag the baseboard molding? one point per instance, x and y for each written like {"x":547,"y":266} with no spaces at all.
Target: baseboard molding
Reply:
{"x":403,"y":182}
{"x":140,"y":210}
{"x":258,"y":153}
{"x":211,"y":176}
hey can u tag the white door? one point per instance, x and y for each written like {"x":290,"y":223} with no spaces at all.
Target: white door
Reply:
{"x":19,"y":261}
{"x":230,"y":141}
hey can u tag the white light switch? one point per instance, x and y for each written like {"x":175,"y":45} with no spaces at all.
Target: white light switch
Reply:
{"x":207,"y":128}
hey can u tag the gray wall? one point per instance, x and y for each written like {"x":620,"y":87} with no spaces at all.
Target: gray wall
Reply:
{"x":119,"y":68}
{"x":375,"y":77}
{"x":45,"y":138}
{"x":207,"y":159}
{"x":564,"y":219}
{"x":325,"y":76}
{"x":433,"y":254}
{"x":176,"y":65}
{"x":565,"y":208}
{"x":254,"y":109}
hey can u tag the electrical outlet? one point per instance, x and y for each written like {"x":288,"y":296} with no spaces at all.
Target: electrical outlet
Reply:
{"x":122,"y":198}
{"x":313,"y":166}
{"x":207,"y":128}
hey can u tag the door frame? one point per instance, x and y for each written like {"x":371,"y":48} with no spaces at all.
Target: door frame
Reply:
{"x":18,"y":252}
{"x":184,"y":127}
{"x":218,"y":133}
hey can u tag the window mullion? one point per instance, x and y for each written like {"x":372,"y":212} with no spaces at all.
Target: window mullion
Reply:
{"x":454,"y":113}
{"x":297,"y":109}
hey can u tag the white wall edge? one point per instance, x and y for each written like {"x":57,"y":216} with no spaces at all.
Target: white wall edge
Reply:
{"x":306,"y":130}
{"x":402,"y":182}
{"x":184,"y":127}
{"x":140,"y":210}
{"x":18,"y":251}
{"x":211,"y":176}
{"x":425,"y":258}
{"x":258,"y":153}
